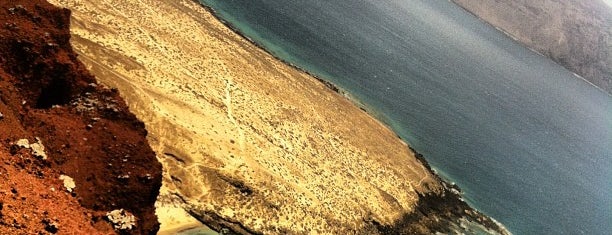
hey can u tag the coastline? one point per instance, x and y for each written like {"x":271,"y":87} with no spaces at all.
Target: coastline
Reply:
{"x":229,"y":25}
{"x":231,"y":187}
{"x":533,"y":46}
{"x":449,"y":187}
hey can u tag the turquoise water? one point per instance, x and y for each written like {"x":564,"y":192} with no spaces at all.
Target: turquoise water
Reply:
{"x":198,"y":231}
{"x":529,"y":143}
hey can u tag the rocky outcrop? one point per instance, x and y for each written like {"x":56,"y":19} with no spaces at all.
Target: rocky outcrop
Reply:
{"x":444,"y":212}
{"x":57,"y":122}
{"x":577,"y":34}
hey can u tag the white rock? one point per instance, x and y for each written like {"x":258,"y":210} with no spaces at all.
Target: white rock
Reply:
{"x":121,"y":219}
{"x":68,"y":182}
{"x":24,"y":143}
{"x":38,"y":149}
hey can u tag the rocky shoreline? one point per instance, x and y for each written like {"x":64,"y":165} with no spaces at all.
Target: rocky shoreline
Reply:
{"x":75,"y":159}
{"x":443,"y":210}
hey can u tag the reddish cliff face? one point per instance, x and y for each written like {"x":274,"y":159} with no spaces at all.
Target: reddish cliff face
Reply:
{"x":49,"y":98}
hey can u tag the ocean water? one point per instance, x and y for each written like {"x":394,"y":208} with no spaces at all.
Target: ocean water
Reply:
{"x":198,"y":231}
{"x":529,"y":143}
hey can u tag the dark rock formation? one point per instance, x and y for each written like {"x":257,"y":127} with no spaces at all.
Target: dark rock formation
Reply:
{"x":444,"y":212}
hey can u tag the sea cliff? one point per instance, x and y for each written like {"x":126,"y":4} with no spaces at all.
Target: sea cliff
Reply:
{"x":249,"y":144}
{"x":576,"y":34}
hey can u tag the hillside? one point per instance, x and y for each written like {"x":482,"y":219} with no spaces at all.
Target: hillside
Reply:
{"x":577,"y":34}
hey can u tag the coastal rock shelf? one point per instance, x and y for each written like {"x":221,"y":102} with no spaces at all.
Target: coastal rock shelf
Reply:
{"x":248,"y":143}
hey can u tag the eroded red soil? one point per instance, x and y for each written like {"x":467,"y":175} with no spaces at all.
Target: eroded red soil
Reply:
{"x":86,"y":129}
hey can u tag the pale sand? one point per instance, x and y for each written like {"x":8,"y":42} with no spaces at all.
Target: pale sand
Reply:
{"x":175,"y":220}
{"x":241,"y":135}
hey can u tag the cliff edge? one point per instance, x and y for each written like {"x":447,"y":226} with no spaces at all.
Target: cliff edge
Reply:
{"x":74,"y":160}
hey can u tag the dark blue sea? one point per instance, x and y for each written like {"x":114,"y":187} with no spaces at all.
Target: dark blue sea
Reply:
{"x":529,"y":143}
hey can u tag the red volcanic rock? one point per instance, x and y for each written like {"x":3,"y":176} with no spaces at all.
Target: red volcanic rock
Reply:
{"x":86,"y":129}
